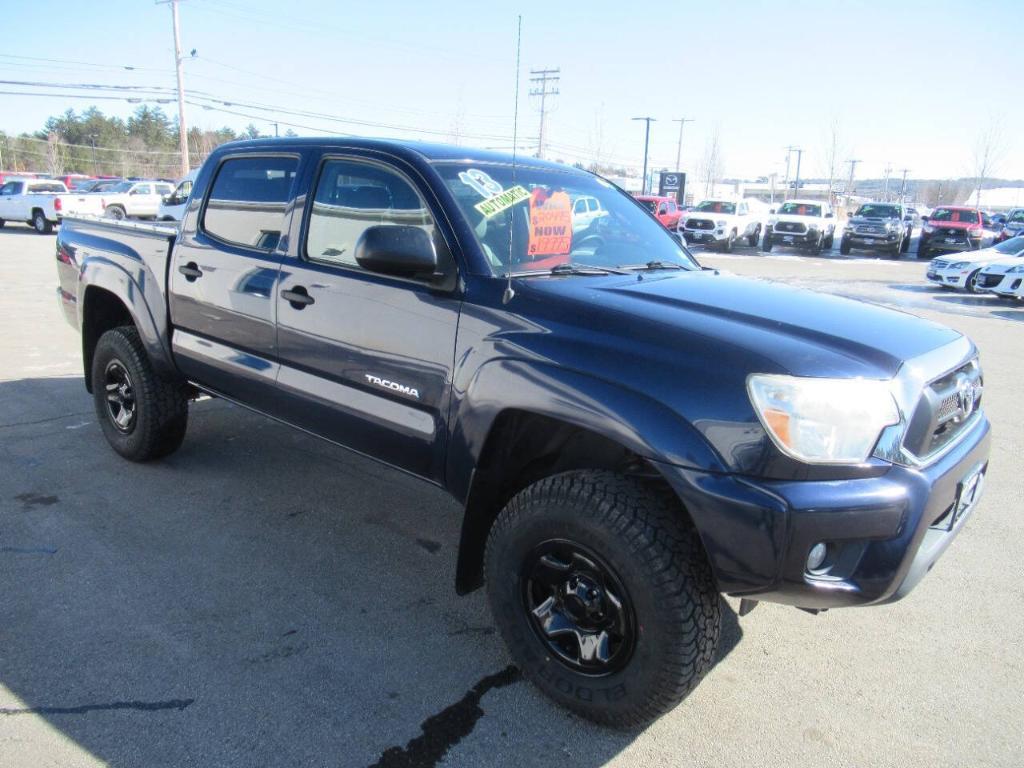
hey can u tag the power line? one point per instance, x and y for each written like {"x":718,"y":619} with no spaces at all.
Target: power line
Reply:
{"x":543,"y":77}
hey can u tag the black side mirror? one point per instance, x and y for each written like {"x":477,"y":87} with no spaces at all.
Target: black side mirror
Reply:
{"x":771,"y":210}
{"x":925,"y":218}
{"x":399,"y":250}
{"x":829,"y":215}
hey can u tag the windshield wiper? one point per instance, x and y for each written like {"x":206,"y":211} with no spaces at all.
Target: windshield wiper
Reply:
{"x":651,"y":265}
{"x":572,"y":268}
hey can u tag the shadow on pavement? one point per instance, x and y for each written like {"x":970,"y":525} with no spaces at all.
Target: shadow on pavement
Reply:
{"x":259,"y":597}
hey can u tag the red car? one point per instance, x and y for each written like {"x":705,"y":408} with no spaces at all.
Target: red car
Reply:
{"x":665,"y":209}
{"x":951,"y":228}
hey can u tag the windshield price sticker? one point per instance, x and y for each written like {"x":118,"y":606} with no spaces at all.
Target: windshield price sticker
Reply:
{"x":502,"y":201}
{"x":550,"y":224}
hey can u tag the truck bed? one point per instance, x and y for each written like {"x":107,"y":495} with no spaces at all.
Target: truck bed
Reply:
{"x":136,"y":251}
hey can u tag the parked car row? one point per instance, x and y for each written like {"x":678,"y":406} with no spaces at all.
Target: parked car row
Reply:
{"x":42,"y":203}
{"x":998,"y":269}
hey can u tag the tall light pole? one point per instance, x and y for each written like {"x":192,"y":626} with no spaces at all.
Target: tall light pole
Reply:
{"x":679,"y":147}
{"x":785,"y":187}
{"x":799,"y":157}
{"x":903,"y":185}
{"x":182,"y":127}
{"x":647,"y":144}
{"x":885,"y":190}
{"x":849,"y":183}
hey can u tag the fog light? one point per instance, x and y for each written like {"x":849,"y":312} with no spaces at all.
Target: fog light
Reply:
{"x":817,"y":556}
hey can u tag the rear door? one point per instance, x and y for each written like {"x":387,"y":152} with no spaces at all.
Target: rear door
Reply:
{"x":366,"y":359}
{"x":8,"y":202}
{"x":224,"y":277}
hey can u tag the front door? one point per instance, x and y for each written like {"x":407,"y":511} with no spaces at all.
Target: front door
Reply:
{"x":366,"y":359}
{"x":224,"y":278}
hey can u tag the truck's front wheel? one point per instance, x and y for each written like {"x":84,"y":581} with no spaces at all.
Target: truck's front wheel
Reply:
{"x":603,"y":595}
{"x":142,"y":416}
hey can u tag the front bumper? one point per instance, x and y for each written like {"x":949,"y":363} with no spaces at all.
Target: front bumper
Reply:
{"x":793,"y":238}
{"x":1009,"y":286}
{"x":704,"y":236}
{"x":874,"y":240}
{"x":884,"y":533}
{"x":952,"y":279}
{"x":940,"y":242}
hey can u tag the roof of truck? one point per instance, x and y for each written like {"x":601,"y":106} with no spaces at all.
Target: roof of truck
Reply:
{"x":430,"y":151}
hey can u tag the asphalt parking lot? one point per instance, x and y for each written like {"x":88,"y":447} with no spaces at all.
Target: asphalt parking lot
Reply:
{"x":262,"y":598}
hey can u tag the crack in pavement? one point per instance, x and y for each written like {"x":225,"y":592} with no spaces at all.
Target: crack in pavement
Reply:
{"x":447,"y":728}
{"x":142,"y":706}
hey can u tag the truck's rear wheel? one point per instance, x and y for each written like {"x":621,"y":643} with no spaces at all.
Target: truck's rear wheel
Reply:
{"x":766,"y":244}
{"x":142,"y":416}
{"x":754,"y":236}
{"x":115,"y":212}
{"x":40,"y":224}
{"x":603,"y":595}
{"x":2,"y":222}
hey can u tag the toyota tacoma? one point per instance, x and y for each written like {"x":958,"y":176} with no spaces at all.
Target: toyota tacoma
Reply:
{"x":629,"y":435}
{"x":877,"y":227}
{"x":807,"y":224}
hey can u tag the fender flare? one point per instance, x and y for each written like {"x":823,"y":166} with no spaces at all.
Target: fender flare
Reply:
{"x":138,"y":293}
{"x":627,"y":417}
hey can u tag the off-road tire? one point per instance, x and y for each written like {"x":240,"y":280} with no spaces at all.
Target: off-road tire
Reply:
{"x":161,"y":406}
{"x":905,"y":246}
{"x":40,"y":223}
{"x":655,"y":554}
{"x":844,"y":246}
{"x":818,"y":245}
{"x":2,"y":222}
{"x":115,"y":212}
{"x":830,"y":241}
{"x":766,"y":244}
{"x":922,"y":249}
{"x":754,"y":236}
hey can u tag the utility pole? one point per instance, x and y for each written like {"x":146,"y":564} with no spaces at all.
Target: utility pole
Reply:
{"x":849,"y":184}
{"x":95,"y":167}
{"x":903,"y":185}
{"x":647,"y":144}
{"x":542,"y":77}
{"x":785,"y":187}
{"x":885,"y":189}
{"x":276,"y":134}
{"x":182,"y":126}
{"x":796,"y":184}
{"x":679,"y":147}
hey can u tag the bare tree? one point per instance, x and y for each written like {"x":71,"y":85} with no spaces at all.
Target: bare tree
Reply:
{"x":712,"y":163}
{"x":989,"y":149}
{"x":833,"y":154}
{"x":55,"y":154}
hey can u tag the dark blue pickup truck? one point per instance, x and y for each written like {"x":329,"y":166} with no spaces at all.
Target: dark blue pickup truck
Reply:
{"x":630,"y":434}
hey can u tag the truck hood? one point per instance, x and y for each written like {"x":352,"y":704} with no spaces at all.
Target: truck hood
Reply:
{"x":953,"y":224}
{"x":855,"y":220}
{"x":774,"y":328}
{"x":792,"y":217}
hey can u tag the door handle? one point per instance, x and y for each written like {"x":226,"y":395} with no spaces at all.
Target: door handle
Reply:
{"x":191,"y":271}
{"x":298,"y":297}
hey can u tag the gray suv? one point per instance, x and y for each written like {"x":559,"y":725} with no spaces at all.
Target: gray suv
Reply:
{"x":878,"y":227}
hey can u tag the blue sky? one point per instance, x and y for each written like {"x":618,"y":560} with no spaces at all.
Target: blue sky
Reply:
{"x":908,"y":83}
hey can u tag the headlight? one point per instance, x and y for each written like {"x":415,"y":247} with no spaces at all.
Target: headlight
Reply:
{"x":719,"y":223}
{"x":1015,"y":270}
{"x":958,"y":265}
{"x":823,"y":421}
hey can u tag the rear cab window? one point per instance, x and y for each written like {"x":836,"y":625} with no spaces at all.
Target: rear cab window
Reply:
{"x":248,"y":200}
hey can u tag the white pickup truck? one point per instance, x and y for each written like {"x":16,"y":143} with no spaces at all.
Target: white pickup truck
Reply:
{"x":808,"y":224}
{"x":41,"y":203}
{"x":138,"y":199}
{"x":720,"y":223}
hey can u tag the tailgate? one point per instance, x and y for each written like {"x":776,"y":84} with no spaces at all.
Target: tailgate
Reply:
{"x":78,"y":205}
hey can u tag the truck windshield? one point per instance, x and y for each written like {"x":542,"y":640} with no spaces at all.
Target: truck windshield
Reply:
{"x":715,"y":206}
{"x":954,"y":215}
{"x":800,"y":209}
{"x":879,"y":211}
{"x":533,"y":218}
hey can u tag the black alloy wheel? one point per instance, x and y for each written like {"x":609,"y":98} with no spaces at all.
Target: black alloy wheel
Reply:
{"x":120,"y":394}
{"x":578,"y":608}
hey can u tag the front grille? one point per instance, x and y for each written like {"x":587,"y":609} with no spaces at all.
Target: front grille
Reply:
{"x":960,"y":235}
{"x":790,"y":226}
{"x":989,"y":281}
{"x":939,"y":264}
{"x":946,"y":407}
{"x":700,"y":224}
{"x":870,"y":229}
